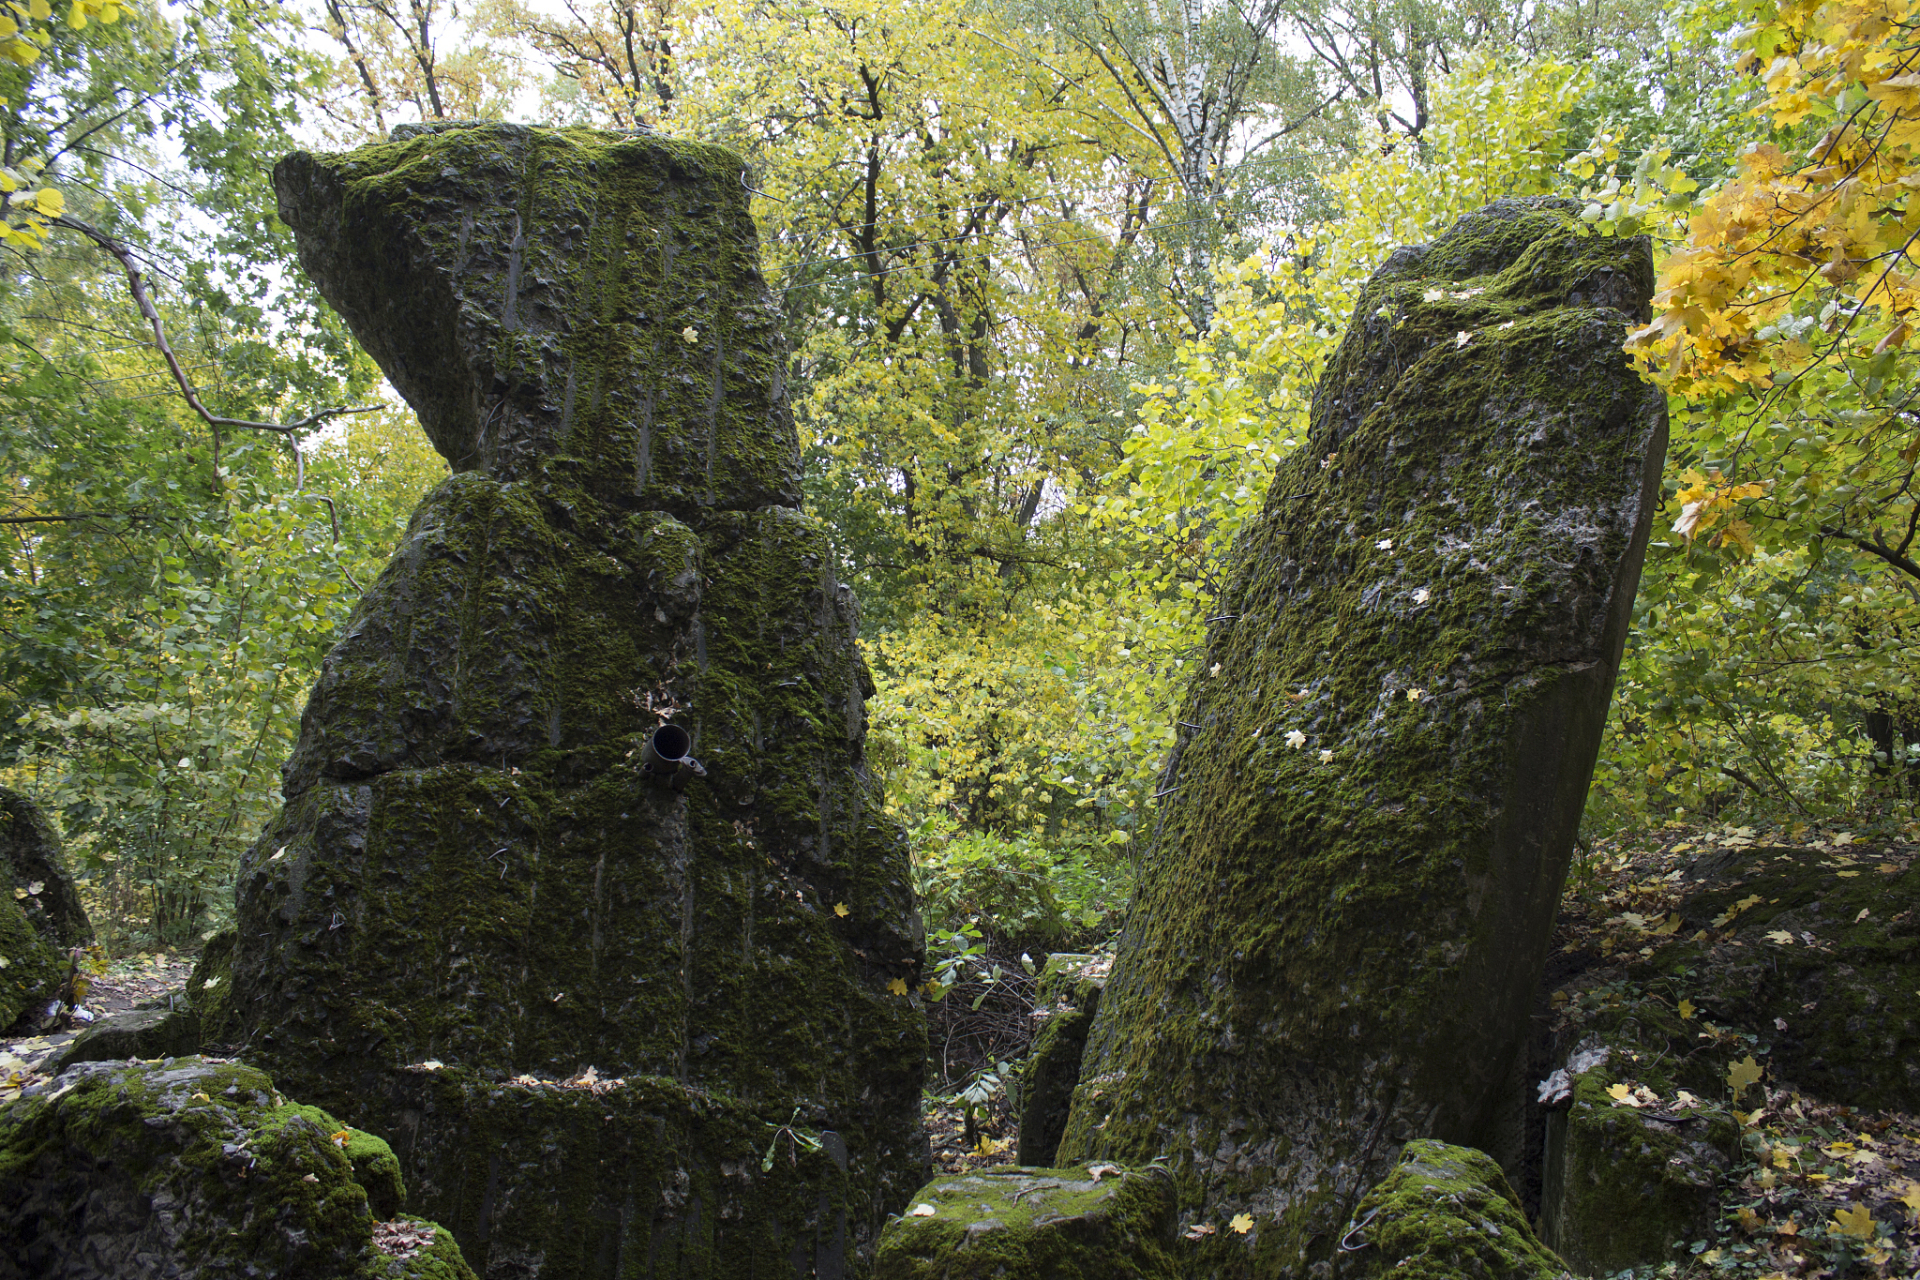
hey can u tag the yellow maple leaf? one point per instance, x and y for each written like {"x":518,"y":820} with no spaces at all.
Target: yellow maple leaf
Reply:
{"x":1855,"y":1222}
{"x":1749,"y":1220}
{"x":1686,"y":1010}
{"x":898,"y":986}
{"x":840,"y":908}
{"x":1742,"y":1074}
{"x":1910,"y":1196}
{"x":341,"y":1138}
{"x":1242,"y":1223}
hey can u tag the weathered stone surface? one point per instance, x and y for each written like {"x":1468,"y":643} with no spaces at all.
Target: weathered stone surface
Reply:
{"x":1444,"y":1213}
{"x":198,"y":1168}
{"x":40,"y":914}
{"x":1036,"y":1224}
{"x":1341,"y":926}
{"x":1069,"y":996}
{"x":1621,"y":1183}
{"x":473,"y":867}
{"x":30,"y":852}
{"x":137,"y":1033}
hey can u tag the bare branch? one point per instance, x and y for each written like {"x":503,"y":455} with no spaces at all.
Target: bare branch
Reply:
{"x":137,"y":285}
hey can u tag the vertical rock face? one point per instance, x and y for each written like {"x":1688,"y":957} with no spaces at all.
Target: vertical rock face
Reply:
{"x":1345,"y":915}
{"x":476,"y":892}
{"x":41,"y":917}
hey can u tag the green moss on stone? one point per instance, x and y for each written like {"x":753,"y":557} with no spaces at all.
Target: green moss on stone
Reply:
{"x":1444,"y":1213}
{"x":186,"y":1163}
{"x":1328,"y":958}
{"x":34,"y":967}
{"x":1051,"y":1070}
{"x":1622,"y":1185}
{"x":1036,"y":1224}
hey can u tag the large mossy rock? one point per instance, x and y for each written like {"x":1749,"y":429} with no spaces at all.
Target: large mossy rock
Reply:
{"x":30,"y":853}
{"x":1101,"y":1223}
{"x":41,"y":917}
{"x":1817,"y":954}
{"x":197,"y":1167}
{"x":474,"y":868}
{"x":1444,"y":1213}
{"x":1342,"y":925}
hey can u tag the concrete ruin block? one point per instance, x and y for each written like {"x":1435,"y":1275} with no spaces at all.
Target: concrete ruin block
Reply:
{"x":479,"y":865}
{"x":1342,"y":924}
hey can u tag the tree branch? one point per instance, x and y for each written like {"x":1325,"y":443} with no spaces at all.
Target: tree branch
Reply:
{"x":137,"y":285}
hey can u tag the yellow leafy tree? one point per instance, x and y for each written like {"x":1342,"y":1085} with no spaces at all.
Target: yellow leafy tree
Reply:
{"x":25,"y":33}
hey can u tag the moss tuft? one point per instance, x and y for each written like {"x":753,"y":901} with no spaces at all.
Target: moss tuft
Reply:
{"x":1036,"y":1224}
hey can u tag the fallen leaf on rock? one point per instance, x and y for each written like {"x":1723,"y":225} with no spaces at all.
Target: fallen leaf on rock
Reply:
{"x":923,"y":1211}
{"x":1686,"y":1010}
{"x":341,"y":1138}
{"x":1780,"y":936}
{"x":898,"y":986}
{"x":840,"y":909}
{"x":1242,"y":1223}
{"x":1198,"y":1231}
{"x":1098,"y":1171}
{"x":1742,"y":1074}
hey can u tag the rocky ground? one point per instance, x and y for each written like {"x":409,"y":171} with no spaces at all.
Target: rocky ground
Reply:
{"x":1823,"y":1189}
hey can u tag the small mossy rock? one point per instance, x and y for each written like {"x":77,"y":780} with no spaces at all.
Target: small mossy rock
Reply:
{"x":209,"y":992}
{"x":1621,"y":1184}
{"x":1036,"y":1224}
{"x":1444,"y":1213}
{"x":374,"y":1166}
{"x":1047,"y":1079}
{"x":473,"y":867}
{"x":1341,"y":926}
{"x":186,"y":1167}
{"x":30,"y":853}
{"x":137,"y":1033}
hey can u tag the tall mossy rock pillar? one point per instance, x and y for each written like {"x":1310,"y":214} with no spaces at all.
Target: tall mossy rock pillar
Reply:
{"x":588,"y":990}
{"x":1344,"y":917}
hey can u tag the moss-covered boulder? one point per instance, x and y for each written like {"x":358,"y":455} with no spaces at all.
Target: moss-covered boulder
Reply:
{"x":41,"y":917}
{"x":30,"y":854}
{"x":195,"y":1167}
{"x":1065,"y":1000}
{"x":1339,"y":932}
{"x":1098,"y":1223}
{"x":482,"y":870}
{"x":1817,"y":954}
{"x":1444,"y":1213}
